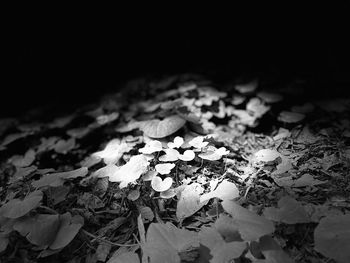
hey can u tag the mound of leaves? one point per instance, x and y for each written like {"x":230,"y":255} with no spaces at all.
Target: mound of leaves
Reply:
{"x":177,"y":170}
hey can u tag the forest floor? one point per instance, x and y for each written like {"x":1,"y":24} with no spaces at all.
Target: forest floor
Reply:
{"x":179,"y":170}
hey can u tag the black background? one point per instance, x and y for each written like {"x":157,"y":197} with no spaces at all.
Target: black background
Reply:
{"x":70,"y":65}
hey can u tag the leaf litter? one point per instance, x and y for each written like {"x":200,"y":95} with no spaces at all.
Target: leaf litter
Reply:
{"x":194,"y":174}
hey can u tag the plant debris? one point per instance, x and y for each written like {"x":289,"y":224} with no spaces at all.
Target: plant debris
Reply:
{"x":179,"y":170}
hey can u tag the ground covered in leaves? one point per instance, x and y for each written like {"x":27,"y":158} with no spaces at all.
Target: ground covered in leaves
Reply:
{"x":179,"y":170}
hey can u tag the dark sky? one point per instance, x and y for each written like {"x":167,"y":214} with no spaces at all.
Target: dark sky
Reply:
{"x":76,"y":64}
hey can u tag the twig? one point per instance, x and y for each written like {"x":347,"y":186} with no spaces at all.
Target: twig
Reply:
{"x":106,"y":241}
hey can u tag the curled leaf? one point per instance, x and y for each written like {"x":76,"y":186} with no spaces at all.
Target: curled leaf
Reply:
{"x":187,"y":156}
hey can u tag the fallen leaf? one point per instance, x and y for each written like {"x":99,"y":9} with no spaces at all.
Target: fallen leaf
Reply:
{"x":162,"y":128}
{"x":247,"y":87}
{"x":151,"y":147}
{"x":69,"y":227}
{"x":228,"y":252}
{"x":24,"y":161}
{"x":165,"y":243}
{"x":290,"y":117}
{"x":272,"y":251}
{"x":113,"y":151}
{"x":225,"y":191}
{"x":22,"y":172}
{"x":146,"y":214}
{"x":164,"y":168}
{"x":266,"y":155}
{"x":228,"y":228}
{"x":64,"y":146}
{"x":127,"y":257}
{"x":131,"y":171}
{"x":40,"y":229}
{"x":290,"y":211}
{"x":257,"y":107}
{"x":269,"y":97}
{"x":102,"y":251}
{"x":4,"y":241}
{"x":16,"y":208}
{"x":332,"y":237}
{"x":160,"y":185}
{"x":307,"y":180}
{"x":189,"y":201}
{"x":134,"y":195}
{"x":80,"y":172}
{"x":250,"y":225}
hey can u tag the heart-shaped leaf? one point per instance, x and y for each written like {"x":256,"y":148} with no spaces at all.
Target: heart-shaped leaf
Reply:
{"x":24,"y":161}
{"x":151,"y":147}
{"x":187,"y":156}
{"x":250,"y":225}
{"x":332,"y":237}
{"x":131,"y":171}
{"x":198,"y":142}
{"x":178,"y":141}
{"x":171,"y":155}
{"x":214,"y":155}
{"x":164,"y":168}
{"x":160,"y":185}
{"x":69,"y":227}
{"x":40,"y":230}
{"x":17,"y":208}
{"x":290,"y":211}
{"x":162,"y":128}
